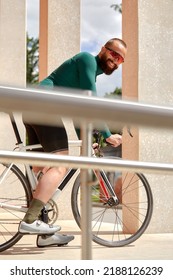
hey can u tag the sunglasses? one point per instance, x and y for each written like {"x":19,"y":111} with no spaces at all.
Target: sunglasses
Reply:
{"x":115,"y":54}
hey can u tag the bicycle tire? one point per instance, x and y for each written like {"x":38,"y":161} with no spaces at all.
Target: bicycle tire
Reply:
{"x":14,"y":190}
{"x":116,"y":226}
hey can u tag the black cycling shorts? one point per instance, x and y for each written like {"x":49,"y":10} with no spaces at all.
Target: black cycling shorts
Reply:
{"x":52,"y":138}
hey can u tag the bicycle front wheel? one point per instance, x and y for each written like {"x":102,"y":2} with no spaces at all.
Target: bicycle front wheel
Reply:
{"x":15,"y":196}
{"x":115,"y":226}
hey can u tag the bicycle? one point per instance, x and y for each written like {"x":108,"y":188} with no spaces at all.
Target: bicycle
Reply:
{"x":121,"y":207}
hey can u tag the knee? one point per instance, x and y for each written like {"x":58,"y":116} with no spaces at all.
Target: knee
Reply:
{"x":60,"y":171}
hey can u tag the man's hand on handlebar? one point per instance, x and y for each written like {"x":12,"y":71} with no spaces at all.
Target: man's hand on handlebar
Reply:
{"x":114,"y":140}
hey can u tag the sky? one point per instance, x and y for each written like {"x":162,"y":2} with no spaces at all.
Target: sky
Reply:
{"x":99,"y":23}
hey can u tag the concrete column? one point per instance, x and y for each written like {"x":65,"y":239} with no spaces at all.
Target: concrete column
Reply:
{"x":12,"y":59}
{"x":130,"y":147}
{"x":59,"y":40}
{"x":59,"y":33}
{"x":147,"y":75}
{"x":130,"y":70}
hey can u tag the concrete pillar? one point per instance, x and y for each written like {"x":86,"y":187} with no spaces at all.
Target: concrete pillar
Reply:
{"x":147,"y":29}
{"x":59,"y":33}
{"x":12,"y":59}
{"x":130,"y":70}
{"x":59,"y":40}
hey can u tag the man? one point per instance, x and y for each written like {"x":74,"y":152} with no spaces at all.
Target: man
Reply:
{"x":79,"y":72}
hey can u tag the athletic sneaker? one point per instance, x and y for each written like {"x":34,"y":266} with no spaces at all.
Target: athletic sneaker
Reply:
{"x":37,"y":227}
{"x":53,"y":240}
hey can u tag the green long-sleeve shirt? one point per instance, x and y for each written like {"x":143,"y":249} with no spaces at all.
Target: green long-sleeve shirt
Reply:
{"x":78,"y":72}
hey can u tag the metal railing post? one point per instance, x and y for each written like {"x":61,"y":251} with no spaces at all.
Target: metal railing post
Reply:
{"x":86,"y":196}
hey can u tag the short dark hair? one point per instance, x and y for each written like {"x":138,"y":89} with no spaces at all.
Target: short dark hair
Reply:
{"x":109,"y":43}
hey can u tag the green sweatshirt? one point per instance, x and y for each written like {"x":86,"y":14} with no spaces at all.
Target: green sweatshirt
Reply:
{"x":78,"y":72}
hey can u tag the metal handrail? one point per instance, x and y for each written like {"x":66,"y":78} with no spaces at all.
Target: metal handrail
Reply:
{"x":46,"y":104}
{"x":84,"y":162}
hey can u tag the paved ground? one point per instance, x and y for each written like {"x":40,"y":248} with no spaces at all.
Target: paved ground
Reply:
{"x":148,"y":247}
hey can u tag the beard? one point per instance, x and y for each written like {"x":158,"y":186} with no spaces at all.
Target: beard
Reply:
{"x":104,"y":65}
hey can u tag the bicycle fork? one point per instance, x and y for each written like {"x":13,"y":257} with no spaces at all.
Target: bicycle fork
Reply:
{"x":107,"y":189}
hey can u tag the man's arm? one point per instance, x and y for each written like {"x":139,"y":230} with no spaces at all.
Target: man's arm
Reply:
{"x":87,"y":72}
